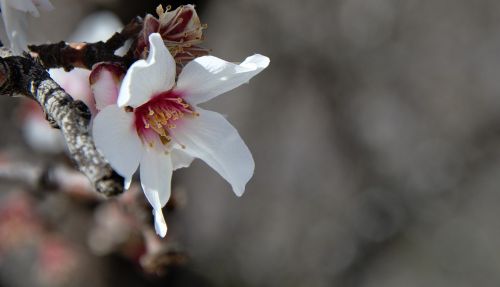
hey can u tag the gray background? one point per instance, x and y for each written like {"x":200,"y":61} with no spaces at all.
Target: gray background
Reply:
{"x":376,"y":136}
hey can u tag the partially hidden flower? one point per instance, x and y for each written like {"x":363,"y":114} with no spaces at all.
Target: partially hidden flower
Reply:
{"x":181,"y":30}
{"x":105,"y":80}
{"x":75,"y":83}
{"x":156,"y":122}
{"x":14,"y":19}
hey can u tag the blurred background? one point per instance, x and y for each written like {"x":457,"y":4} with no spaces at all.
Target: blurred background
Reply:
{"x":376,"y":137}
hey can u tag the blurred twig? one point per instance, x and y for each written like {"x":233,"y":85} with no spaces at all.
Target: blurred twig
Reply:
{"x":46,"y":177}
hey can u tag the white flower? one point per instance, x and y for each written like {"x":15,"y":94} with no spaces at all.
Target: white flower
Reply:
{"x":14,"y":19}
{"x":157,"y":124}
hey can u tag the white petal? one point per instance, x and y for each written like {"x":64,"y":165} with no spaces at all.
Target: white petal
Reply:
{"x":16,"y":27}
{"x":207,"y":77}
{"x":213,"y":139}
{"x":23,"y":6}
{"x":14,"y":18}
{"x":156,"y":174}
{"x":127,"y":182}
{"x":160,"y":224}
{"x":146,"y":78}
{"x":180,"y":159}
{"x":116,"y":137}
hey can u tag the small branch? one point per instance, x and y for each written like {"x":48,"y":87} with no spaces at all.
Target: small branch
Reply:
{"x":47,"y":177}
{"x":85,"y":55}
{"x":23,"y":173}
{"x":27,"y":77}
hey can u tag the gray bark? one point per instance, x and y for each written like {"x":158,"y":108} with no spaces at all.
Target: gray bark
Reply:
{"x":23,"y":75}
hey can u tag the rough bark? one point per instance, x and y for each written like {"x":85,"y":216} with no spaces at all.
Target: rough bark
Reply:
{"x":23,"y":75}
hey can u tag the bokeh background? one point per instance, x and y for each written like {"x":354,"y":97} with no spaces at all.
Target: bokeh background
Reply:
{"x":376,"y":136}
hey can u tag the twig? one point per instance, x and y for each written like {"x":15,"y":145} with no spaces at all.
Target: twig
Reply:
{"x":85,"y":55}
{"x":47,"y":177}
{"x":25,"y":76}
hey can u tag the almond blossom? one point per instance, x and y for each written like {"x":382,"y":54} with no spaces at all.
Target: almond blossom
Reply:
{"x":14,"y":19}
{"x":156,"y":123}
{"x":180,"y":29}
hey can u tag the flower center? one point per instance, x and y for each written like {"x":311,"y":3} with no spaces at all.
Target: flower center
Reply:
{"x":155,"y":119}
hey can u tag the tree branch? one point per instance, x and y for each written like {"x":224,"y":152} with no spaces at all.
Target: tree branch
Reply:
{"x":27,"y":77}
{"x":85,"y":55}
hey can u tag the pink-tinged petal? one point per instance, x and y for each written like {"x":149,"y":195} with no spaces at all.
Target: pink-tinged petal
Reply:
{"x":180,"y":159}
{"x":207,"y":77}
{"x":146,"y":78}
{"x":115,"y":136}
{"x":105,"y":81}
{"x":151,"y":25}
{"x":156,"y":174}
{"x":211,"y":138}
{"x":181,"y":25}
{"x":75,"y":83}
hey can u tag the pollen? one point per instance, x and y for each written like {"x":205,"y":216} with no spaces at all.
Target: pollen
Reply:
{"x":160,"y":115}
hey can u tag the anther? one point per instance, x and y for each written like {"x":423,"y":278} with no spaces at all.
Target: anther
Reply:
{"x":164,"y":140}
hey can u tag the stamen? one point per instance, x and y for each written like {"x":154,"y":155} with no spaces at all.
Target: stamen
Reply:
{"x":177,"y":23}
{"x":160,"y":115}
{"x":164,"y":140}
{"x":146,"y":123}
{"x":160,"y":11}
